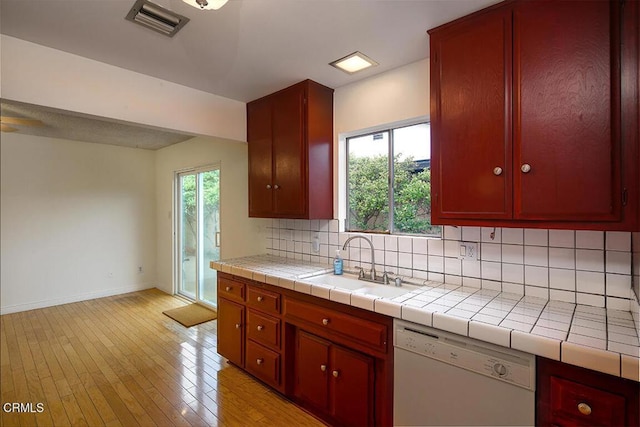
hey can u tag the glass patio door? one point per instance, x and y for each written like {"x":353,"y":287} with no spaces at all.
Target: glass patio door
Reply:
{"x":198,"y":236}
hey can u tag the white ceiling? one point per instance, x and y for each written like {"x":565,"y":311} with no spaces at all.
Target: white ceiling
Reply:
{"x":245,"y":50}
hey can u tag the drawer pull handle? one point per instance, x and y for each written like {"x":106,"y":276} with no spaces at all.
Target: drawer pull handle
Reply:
{"x":526,"y":168}
{"x":259,"y":361}
{"x":268,"y":186}
{"x":497,"y":171}
{"x":336,"y":374}
{"x":325,"y":321}
{"x":238,"y":325}
{"x":228,"y":289}
{"x":584,"y":409}
{"x":323,"y":368}
{"x":260,"y":327}
{"x":260,"y":299}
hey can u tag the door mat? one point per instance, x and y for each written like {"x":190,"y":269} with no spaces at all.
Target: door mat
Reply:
{"x":192,"y":314}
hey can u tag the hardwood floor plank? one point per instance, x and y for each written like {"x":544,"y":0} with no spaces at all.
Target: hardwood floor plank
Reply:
{"x":118,"y":361}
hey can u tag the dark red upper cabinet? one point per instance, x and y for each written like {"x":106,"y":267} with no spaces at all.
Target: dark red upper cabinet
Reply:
{"x":290,"y":136}
{"x":533,"y":116}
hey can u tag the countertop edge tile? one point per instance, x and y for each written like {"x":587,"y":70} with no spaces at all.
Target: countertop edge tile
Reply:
{"x":630,"y":367}
{"x":340,"y":295}
{"x":450,"y":323}
{"x":591,"y":358}
{"x":536,"y":344}
{"x":417,"y":315}
{"x":363,"y":301}
{"x":490,"y":333}
{"x":388,"y":307}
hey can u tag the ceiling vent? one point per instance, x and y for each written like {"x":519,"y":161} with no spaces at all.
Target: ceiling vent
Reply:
{"x":156,"y":17}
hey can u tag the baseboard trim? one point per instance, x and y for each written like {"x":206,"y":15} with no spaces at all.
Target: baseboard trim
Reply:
{"x":16,"y":308}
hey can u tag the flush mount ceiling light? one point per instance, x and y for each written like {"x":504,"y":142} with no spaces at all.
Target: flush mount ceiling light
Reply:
{"x":354,"y":62}
{"x":156,"y":18}
{"x":206,"y":4}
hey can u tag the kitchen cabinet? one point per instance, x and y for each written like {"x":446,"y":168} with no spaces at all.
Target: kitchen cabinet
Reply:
{"x":528,"y":128}
{"x":571,"y":396}
{"x":249,"y":328}
{"x":332,"y":359}
{"x":290,"y":143}
{"x":335,"y":380}
{"x":336,"y":363}
{"x":231,"y":331}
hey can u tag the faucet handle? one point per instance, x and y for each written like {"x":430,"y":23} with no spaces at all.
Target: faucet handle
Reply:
{"x":385,"y":277}
{"x":360,"y":272}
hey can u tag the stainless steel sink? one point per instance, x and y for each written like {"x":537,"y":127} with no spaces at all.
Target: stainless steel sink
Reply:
{"x":351,"y":283}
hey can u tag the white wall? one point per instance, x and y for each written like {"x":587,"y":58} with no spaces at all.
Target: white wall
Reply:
{"x":241,"y":235}
{"x":77,"y":220}
{"x":399,"y":94}
{"x":40,"y":75}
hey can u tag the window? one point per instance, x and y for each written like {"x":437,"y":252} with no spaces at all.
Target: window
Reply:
{"x":390,"y":168}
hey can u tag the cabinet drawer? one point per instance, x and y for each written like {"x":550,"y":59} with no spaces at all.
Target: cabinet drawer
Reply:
{"x":263,"y":329}
{"x":574,"y":402}
{"x":231,"y":289}
{"x":263,"y":363}
{"x":265,"y":301}
{"x":363,"y":331}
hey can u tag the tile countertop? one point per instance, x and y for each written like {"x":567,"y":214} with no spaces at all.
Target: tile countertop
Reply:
{"x":591,"y":337}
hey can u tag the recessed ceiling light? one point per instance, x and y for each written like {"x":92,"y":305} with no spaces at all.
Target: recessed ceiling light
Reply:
{"x":354,"y":62}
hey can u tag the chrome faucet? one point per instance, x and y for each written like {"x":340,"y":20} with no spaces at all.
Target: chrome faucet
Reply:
{"x":372,"y":275}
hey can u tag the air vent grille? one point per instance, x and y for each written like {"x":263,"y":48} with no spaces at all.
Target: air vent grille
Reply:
{"x":156,"y":18}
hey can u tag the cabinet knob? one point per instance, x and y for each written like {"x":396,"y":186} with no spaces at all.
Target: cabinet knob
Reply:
{"x":228,"y":289}
{"x":497,"y":171}
{"x":268,"y":186}
{"x":336,"y":374}
{"x":260,"y":327}
{"x":323,"y":368}
{"x":276,"y":186}
{"x":260,"y":299}
{"x":584,"y":409}
{"x":238,"y":325}
{"x":525,"y":168}
{"x":325,"y":321}
{"x":259,"y":361}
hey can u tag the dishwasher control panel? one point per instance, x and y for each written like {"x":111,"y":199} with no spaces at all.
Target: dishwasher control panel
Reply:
{"x":500,"y":363}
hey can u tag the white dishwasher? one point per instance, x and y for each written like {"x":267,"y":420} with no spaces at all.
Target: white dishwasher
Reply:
{"x":445,"y":379}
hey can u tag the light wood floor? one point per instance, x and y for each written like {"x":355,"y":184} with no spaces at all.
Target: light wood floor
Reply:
{"x":118,"y":361}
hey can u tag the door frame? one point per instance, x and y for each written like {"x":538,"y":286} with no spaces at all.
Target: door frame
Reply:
{"x":176,"y":237}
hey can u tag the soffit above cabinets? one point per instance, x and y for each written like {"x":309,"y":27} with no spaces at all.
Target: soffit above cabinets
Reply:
{"x":62,"y":124}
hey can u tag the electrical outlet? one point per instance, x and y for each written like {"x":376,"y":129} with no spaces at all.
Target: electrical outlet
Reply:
{"x":468,"y":251}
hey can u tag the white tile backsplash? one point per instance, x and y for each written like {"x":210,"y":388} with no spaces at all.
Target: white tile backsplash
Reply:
{"x":590,"y":239}
{"x":535,"y":237}
{"x":585,"y":267}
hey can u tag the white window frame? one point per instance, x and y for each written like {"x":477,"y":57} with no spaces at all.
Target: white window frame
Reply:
{"x":342,"y":166}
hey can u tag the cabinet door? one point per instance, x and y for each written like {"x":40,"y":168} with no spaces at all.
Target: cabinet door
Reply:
{"x":470,"y":124}
{"x":260,"y":161}
{"x":289,"y":159}
{"x":230,"y":331}
{"x":566,"y":111}
{"x":312,"y":370}
{"x":352,"y":382}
